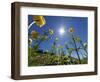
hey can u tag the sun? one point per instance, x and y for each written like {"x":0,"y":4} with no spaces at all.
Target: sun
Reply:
{"x":61,"y":31}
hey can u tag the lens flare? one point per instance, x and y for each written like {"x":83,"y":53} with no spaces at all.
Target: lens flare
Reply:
{"x":61,"y":31}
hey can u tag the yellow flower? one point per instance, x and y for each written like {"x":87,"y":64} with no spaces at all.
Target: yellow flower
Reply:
{"x":71,"y":30}
{"x":50,"y":31}
{"x":34,"y":34}
{"x":39,"y":20}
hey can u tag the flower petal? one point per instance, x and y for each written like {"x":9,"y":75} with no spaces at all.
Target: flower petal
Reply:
{"x":39,"y":20}
{"x":34,"y":34}
{"x":71,"y":30}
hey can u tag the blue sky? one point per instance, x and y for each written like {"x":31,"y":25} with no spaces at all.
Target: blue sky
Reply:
{"x":80,"y":25}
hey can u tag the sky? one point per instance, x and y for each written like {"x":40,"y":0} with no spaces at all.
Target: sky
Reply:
{"x":80,"y":25}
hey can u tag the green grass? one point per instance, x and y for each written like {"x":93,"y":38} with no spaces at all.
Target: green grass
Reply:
{"x":46,"y":59}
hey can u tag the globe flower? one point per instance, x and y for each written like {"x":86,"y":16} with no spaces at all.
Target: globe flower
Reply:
{"x":71,"y":30}
{"x":34,"y":34}
{"x":39,"y":20}
{"x":77,"y":39}
{"x":56,"y":39}
{"x":50,"y":31}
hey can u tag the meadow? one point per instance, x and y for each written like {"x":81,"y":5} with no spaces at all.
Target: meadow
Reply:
{"x":50,"y":44}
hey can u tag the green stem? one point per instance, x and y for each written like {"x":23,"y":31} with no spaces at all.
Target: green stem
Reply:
{"x":31,"y":24}
{"x":76,"y":50}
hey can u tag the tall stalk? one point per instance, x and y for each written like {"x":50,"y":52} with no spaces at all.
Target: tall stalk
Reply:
{"x":76,"y":50}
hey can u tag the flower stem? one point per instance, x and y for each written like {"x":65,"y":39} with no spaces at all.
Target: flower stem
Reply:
{"x":76,"y":50}
{"x":31,"y":24}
